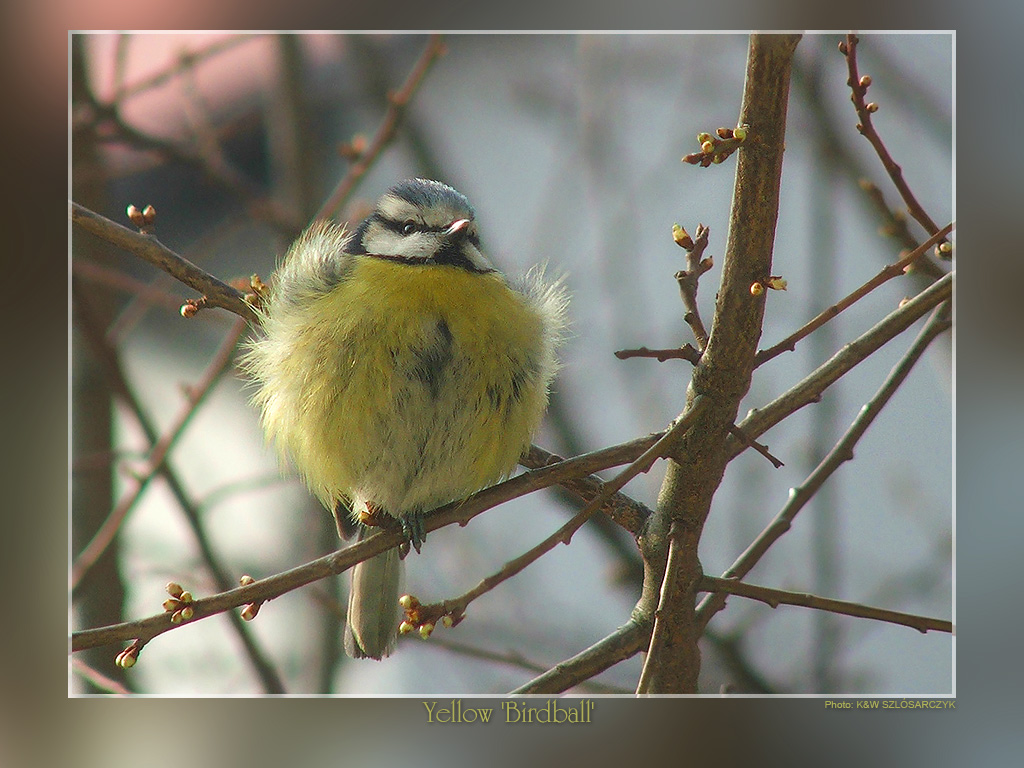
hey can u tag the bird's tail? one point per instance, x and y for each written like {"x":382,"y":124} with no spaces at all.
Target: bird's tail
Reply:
{"x":373,"y":612}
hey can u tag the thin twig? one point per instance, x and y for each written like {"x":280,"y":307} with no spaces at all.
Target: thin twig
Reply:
{"x":686,"y":352}
{"x":887,"y":273}
{"x":98,"y":679}
{"x":220,"y":364}
{"x":894,"y":225}
{"x":777,"y":597}
{"x":730,"y":649}
{"x":689,"y":278}
{"x":198,"y":252}
{"x":397,"y":102}
{"x":219,"y":170}
{"x":740,"y":435}
{"x":185,"y":61}
{"x":456,"y":608}
{"x":620,"y":508}
{"x":89,"y":271}
{"x":840,"y":453}
{"x":515,"y":659}
{"x":118,"y":383}
{"x":807,"y":76}
{"x":894,"y":222}
{"x":624,"y":643}
{"x":148,"y":248}
{"x":858,"y":90}
{"x":120,"y":64}
{"x":809,"y":390}
{"x":204,"y":136}
{"x":337,"y":562}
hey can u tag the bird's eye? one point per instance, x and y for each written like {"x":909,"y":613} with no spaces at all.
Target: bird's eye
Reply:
{"x":409,"y":227}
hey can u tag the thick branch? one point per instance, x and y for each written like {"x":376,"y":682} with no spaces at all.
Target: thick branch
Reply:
{"x":723,"y":374}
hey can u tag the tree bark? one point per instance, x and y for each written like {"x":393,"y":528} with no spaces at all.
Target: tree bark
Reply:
{"x":695,"y":469}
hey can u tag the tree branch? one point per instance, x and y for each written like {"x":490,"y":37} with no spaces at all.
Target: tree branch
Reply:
{"x":397,"y":103}
{"x":622,"y":644}
{"x":118,"y":383}
{"x":620,"y":508}
{"x":887,"y":273}
{"x":186,"y":61}
{"x":777,"y":597}
{"x":215,"y":293}
{"x":514,"y":659}
{"x":858,"y":90}
{"x":157,"y":456}
{"x":723,"y":374}
{"x":809,"y":390}
{"x":689,"y":279}
{"x":340,"y":561}
{"x":840,"y":453}
{"x":455,"y":609}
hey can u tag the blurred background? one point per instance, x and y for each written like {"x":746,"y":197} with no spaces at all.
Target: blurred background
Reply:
{"x":569,"y":147}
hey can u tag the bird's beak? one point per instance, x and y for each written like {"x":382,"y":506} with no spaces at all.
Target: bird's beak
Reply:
{"x":456,"y":226}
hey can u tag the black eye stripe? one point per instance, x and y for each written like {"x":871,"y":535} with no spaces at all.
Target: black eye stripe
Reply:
{"x":399,"y":228}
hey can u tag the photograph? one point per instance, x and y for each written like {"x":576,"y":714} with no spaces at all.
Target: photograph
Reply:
{"x":443,"y":365}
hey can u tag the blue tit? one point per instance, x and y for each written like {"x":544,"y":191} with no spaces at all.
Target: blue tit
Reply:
{"x":398,"y":371}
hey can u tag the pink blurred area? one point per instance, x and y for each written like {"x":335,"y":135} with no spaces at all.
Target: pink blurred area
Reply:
{"x":167,"y":100}
{"x":236,"y":61}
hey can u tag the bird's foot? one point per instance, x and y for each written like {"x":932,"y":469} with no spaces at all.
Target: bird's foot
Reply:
{"x":414,"y":529}
{"x":411,"y":526}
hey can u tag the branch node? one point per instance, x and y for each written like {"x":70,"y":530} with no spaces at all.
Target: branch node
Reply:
{"x":424,"y":618}
{"x":689,"y":278}
{"x":191,"y":307}
{"x":126,"y":659}
{"x":144,"y":220}
{"x":715,"y":149}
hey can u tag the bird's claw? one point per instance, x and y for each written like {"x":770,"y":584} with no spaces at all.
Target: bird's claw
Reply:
{"x":414,"y":531}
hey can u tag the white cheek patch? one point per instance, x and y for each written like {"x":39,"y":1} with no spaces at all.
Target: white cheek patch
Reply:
{"x":384,"y":242}
{"x":419,"y":246}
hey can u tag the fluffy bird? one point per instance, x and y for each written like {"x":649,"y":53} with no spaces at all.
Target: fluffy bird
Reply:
{"x":398,"y":370}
